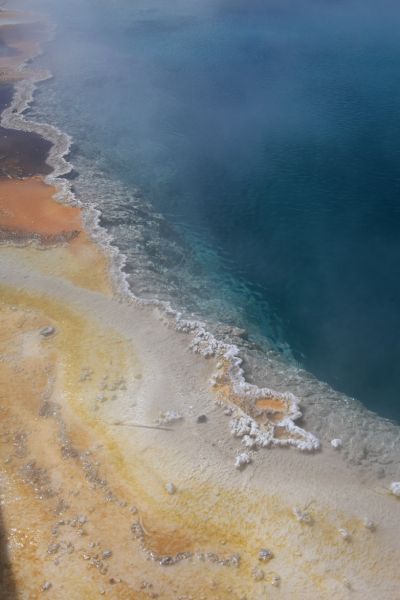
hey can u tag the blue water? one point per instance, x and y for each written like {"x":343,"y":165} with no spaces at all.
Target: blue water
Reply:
{"x":267,"y":133}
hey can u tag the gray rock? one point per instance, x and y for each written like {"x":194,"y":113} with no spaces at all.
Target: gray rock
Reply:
{"x":202,"y":419}
{"x":47,"y":331}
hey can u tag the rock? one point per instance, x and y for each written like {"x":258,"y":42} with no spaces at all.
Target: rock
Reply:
{"x":234,"y":560}
{"x":242,"y":460}
{"x":107,"y":554}
{"x":345,"y":533}
{"x":137,"y":531}
{"x":368,"y":524}
{"x":336,"y":443}
{"x":46,"y":586}
{"x":171,"y":489}
{"x":395,"y":488}
{"x":53,"y":548}
{"x":47,"y":331}
{"x":264,"y":555}
{"x":202,"y":419}
{"x":276,"y":581}
{"x":302,"y":516}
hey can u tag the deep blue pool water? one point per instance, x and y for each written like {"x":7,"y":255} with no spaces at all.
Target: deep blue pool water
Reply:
{"x":268,"y":134}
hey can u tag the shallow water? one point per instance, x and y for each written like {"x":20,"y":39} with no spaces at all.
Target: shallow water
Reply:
{"x":267,"y":136}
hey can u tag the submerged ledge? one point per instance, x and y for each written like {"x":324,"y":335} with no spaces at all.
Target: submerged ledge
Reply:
{"x":117,"y":504}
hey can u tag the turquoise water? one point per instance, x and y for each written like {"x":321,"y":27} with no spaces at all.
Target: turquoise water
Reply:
{"x":267,"y":136}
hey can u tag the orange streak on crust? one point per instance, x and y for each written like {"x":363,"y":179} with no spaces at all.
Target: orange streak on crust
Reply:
{"x":274,"y":408}
{"x":47,"y":483}
{"x":29,"y":213}
{"x":27,"y":206}
{"x":274,"y":404}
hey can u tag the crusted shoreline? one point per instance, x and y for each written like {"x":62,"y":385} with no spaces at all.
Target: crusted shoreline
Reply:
{"x":242,"y":393}
{"x":129,"y":500}
{"x":314,"y":400}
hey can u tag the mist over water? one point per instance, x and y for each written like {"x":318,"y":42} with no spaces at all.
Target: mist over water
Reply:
{"x":268,"y":135}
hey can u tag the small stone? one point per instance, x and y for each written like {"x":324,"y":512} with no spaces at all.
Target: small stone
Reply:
{"x":234,"y":560}
{"x":202,"y":419}
{"x":82,"y":520}
{"x":242,"y":460}
{"x":47,"y":331}
{"x":53,"y":548}
{"x":368,"y":524}
{"x":171,"y":489}
{"x":336,"y":443}
{"x":228,"y":411}
{"x":395,"y":488}
{"x":137,"y":530}
{"x":276,"y":581}
{"x":107,"y":554}
{"x":46,"y":586}
{"x":302,"y":516}
{"x":345,"y":533}
{"x":265,"y":555}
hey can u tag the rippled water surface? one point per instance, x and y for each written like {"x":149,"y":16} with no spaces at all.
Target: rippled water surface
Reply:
{"x":267,"y":135}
